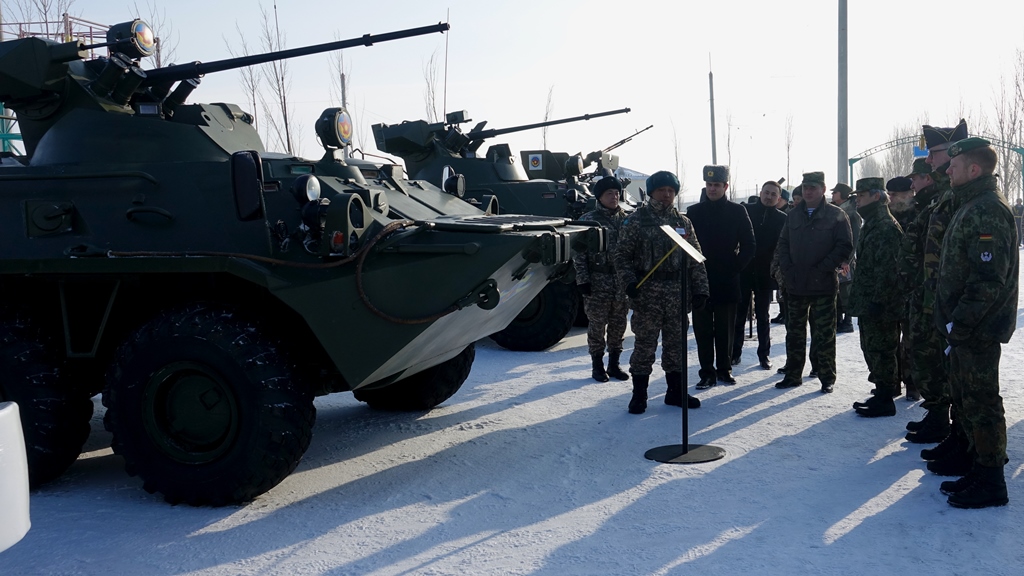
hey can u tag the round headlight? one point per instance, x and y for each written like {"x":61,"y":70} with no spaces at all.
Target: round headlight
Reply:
{"x":306,"y":188}
{"x":312,"y":189}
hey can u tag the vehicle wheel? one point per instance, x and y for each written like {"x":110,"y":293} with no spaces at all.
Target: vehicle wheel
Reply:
{"x":55,"y":416}
{"x":423,"y":390}
{"x":544,"y":321}
{"x":205,"y":409}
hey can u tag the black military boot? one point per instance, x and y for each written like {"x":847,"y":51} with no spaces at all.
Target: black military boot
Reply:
{"x":613,"y":366}
{"x":985,"y":487}
{"x":877,"y":405}
{"x":934,"y":428}
{"x":692,"y":402}
{"x":954,"y":442}
{"x":598,"y":373}
{"x":674,"y":394}
{"x":638,"y":403}
{"x":956,"y":463}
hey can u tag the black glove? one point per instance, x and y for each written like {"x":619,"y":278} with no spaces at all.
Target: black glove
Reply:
{"x":633,"y":291}
{"x":584,"y":288}
{"x":699,"y":301}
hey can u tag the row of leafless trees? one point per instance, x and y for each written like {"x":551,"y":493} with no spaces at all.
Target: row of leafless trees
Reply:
{"x":1002,"y":122}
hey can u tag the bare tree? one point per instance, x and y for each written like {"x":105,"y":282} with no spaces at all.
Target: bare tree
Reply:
{"x":249,"y":76}
{"x":728,"y":152}
{"x":1006,"y":126}
{"x":430,"y":71}
{"x":678,"y":165}
{"x":789,"y":141}
{"x":47,"y":12}
{"x":868,"y":168}
{"x":898,"y":160}
{"x":166,"y":38}
{"x":549,"y":109}
{"x":274,"y":101}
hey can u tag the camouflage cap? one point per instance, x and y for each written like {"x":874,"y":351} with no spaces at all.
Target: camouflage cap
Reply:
{"x":936,"y":136}
{"x":814,"y":178}
{"x":898,"y":184}
{"x":967,"y":144}
{"x":871,"y":185}
{"x":921,"y":166}
{"x":716,"y":173}
{"x":843,"y":189}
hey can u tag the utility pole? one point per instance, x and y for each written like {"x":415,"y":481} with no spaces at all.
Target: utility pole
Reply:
{"x":843,"y":127}
{"x":711,"y":88}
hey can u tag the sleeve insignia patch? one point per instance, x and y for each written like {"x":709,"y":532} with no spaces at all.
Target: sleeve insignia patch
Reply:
{"x":986,"y":256}
{"x":985,"y":238}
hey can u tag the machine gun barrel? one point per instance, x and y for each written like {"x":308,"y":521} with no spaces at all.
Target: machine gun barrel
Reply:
{"x":626,"y":139}
{"x":198,"y":69}
{"x":483,"y":134}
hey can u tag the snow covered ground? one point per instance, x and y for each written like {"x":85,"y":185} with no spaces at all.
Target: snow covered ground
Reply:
{"x":533,"y":468}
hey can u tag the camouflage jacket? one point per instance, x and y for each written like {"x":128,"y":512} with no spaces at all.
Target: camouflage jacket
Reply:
{"x":938,"y":221}
{"x":642,"y":244}
{"x":598,"y":269}
{"x":911,"y":256}
{"x":850,"y":207}
{"x":978,"y":269}
{"x":873,"y":293}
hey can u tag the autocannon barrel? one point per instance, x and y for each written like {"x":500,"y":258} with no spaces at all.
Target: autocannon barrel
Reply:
{"x":198,"y":69}
{"x":483,"y":134}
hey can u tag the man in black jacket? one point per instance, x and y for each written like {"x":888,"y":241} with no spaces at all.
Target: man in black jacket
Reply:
{"x":727,"y":240}
{"x":815,"y":241}
{"x":756,"y":278}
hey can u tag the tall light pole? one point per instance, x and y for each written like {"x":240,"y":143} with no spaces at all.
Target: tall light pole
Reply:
{"x":843,"y":127}
{"x":711,"y":89}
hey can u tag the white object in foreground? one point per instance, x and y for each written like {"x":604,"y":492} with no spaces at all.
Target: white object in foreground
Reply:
{"x":13,"y":477}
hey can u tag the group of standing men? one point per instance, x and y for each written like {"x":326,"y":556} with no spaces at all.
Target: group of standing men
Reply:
{"x":945,"y":231}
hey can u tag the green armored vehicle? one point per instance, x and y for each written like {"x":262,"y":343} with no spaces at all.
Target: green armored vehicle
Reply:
{"x":155,"y":251}
{"x":552,"y":184}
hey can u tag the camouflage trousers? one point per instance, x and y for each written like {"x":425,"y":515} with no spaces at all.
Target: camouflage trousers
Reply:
{"x":974,"y":377}
{"x":880,"y":341}
{"x":657,"y":310}
{"x":928,"y":361}
{"x":844,"y":297}
{"x":903,"y":355}
{"x":605,"y":312}
{"x":821,"y":311}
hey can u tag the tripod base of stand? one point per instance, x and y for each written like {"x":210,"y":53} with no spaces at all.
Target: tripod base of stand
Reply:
{"x":673,"y":454}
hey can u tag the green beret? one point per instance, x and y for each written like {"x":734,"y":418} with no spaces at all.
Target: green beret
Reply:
{"x":843,"y":190}
{"x":716,"y":173}
{"x":936,"y":136}
{"x":921,"y":166}
{"x":967,"y":144}
{"x":871,"y":185}
{"x":784,"y":194}
{"x":814,"y":178}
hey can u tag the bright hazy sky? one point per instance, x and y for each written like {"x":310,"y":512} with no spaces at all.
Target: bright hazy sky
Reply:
{"x":907,"y":61}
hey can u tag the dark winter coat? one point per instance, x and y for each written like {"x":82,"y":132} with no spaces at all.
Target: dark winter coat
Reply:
{"x":727,"y":240}
{"x":767,"y":223}
{"x":812,"y":247}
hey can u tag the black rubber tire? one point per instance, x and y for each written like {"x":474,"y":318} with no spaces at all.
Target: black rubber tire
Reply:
{"x":205,"y":409}
{"x":54,"y":416}
{"x":423,"y":390}
{"x":545,"y":321}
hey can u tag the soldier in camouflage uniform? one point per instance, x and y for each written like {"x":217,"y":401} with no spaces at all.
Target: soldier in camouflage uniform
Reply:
{"x":903,"y":208}
{"x":931,"y":364}
{"x":841,"y":197}
{"x":875,"y":299}
{"x":657,"y":306}
{"x":604,"y":298}
{"x":976,"y":311}
{"x":815,"y":241}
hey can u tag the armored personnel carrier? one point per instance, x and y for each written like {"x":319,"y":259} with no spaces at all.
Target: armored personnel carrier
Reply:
{"x":154,"y":251}
{"x":552,"y":184}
